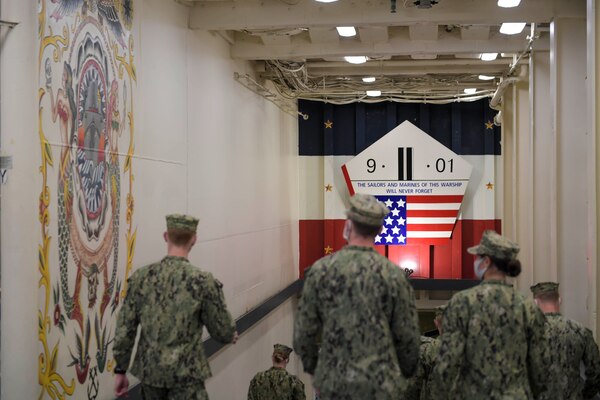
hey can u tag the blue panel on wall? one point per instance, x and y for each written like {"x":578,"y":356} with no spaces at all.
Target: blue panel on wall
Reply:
{"x":344,"y":129}
{"x":466,"y":128}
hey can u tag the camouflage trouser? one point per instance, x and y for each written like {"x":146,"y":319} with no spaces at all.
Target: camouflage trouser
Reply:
{"x":191,"y":392}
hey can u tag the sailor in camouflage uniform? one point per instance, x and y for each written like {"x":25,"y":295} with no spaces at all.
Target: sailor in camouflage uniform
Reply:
{"x":429,"y":354}
{"x":276,"y":383}
{"x":493,"y":346}
{"x":418,"y":384}
{"x":172,"y":301}
{"x":571,"y":344}
{"x":362,"y":307}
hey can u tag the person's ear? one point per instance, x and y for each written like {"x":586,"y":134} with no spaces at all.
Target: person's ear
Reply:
{"x":166,"y":236}
{"x":193,"y":241}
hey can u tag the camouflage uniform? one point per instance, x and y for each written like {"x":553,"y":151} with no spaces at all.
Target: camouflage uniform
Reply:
{"x":276,"y":383}
{"x":172,"y":301}
{"x":429,"y":354}
{"x":362,"y":307}
{"x":570,"y":345}
{"x":493,"y":346}
{"x":416,"y":382}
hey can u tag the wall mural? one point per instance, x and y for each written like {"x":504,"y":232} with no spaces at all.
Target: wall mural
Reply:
{"x":87,"y":80}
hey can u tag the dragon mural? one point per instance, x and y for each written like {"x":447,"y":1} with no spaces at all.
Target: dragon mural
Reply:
{"x":86,"y":101}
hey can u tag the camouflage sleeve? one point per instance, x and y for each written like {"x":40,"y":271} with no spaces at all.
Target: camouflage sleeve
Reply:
{"x":214,"y":313}
{"x":414,"y":384}
{"x":298,"y":390}
{"x":591,"y":360}
{"x":451,"y":353}
{"x":127,"y":323}
{"x":252,"y":390}
{"x":538,"y":354}
{"x":405,"y":328}
{"x":308,"y":325}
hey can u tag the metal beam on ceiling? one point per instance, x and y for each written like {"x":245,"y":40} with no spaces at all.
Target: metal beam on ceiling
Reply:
{"x":260,"y":14}
{"x":302,"y":48}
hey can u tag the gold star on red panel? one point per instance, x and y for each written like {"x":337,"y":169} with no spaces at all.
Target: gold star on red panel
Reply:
{"x":489,"y":125}
{"x":328,"y":187}
{"x":489,"y":186}
{"x":328,"y":249}
{"x":328,"y":124}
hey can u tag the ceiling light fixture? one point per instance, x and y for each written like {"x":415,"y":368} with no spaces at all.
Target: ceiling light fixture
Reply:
{"x":508,"y":3}
{"x":356,"y":59}
{"x":488,"y":56}
{"x":512,"y":28}
{"x":368,"y":79}
{"x":332,"y":1}
{"x":486,"y":77}
{"x":373,"y":93}
{"x":346,"y":31}
{"x":470,"y":91}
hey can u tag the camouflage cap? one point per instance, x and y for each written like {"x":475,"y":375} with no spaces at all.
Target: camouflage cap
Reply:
{"x":183,"y":222}
{"x":282,"y":350}
{"x":439,"y":311}
{"x":366,"y":209}
{"x":544,"y":287}
{"x":496,"y":246}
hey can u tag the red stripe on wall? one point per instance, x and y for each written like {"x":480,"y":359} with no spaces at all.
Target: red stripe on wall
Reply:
{"x":431,"y":213}
{"x":446,"y":258}
{"x":348,"y":181}
{"x":429,"y":227}
{"x":434,"y":199}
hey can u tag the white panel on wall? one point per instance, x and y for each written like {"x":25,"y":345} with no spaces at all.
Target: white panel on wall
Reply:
{"x":19,"y":202}
{"x":243,"y":178}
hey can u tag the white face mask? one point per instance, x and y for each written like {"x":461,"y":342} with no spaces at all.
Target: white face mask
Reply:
{"x":479,"y":272}
{"x":347,"y":229}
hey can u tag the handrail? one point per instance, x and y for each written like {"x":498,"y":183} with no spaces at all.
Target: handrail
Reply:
{"x":246,"y":321}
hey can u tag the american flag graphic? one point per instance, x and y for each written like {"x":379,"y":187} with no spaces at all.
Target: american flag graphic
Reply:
{"x":418,"y":219}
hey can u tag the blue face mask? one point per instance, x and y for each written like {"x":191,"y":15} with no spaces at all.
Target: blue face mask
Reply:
{"x":479,"y":272}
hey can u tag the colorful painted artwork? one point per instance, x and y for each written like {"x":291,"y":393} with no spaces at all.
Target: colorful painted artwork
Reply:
{"x":86,"y":97}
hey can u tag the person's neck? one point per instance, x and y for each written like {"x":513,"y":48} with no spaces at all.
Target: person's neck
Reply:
{"x":361,"y":241}
{"x":494,"y":274}
{"x":549,"y":307}
{"x":279,"y":365}
{"x":175,"y":251}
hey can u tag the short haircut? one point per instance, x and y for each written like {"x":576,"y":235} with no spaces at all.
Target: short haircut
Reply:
{"x":179,"y":237}
{"x":279,"y":358}
{"x":366,"y":230}
{"x":548,"y":297}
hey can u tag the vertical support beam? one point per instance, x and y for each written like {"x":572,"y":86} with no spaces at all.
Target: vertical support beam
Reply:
{"x":593,"y":125}
{"x":568,"y":86}
{"x":541,"y":173}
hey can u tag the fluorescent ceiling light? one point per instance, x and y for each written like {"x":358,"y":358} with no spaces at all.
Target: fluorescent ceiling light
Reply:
{"x":512,"y":28}
{"x":331,"y":1}
{"x":470,"y":91}
{"x":486,"y":77}
{"x":369,"y":79}
{"x":508,"y":3}
{"x":346,"y":31}
{"x":488,"y":56}
{"x":373,"y":93}
{"x":356,"y":59}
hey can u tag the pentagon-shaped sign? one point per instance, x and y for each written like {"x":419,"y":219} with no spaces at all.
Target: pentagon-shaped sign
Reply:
{"x":420,"y":180}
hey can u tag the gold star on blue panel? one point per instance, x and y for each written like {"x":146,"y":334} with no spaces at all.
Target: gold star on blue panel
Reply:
{"x":489,"y":125}
{"x":328,"y":124}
